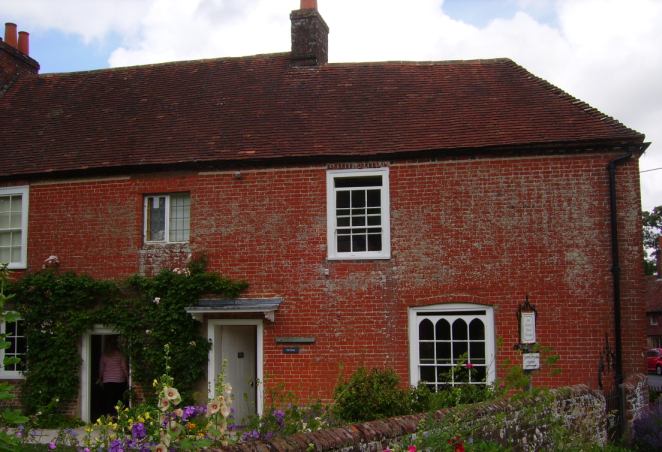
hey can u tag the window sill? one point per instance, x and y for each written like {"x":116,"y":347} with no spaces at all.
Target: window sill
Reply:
{"x":12,"y":376}
{"x":359,"y":257}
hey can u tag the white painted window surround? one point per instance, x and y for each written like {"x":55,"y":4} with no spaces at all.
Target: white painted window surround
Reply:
{"x":14,"y":226}
{"x":358,"y":214}
{"x":15,"y":335}
{"x":441,"y":335}
{"x":167,"y":218}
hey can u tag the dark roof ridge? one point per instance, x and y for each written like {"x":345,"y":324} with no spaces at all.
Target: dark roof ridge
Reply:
{"x":422,"y":62}
{"x":580,"y":104}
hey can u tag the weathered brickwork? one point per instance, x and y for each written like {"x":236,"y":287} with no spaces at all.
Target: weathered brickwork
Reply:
{"x":485,"y":230}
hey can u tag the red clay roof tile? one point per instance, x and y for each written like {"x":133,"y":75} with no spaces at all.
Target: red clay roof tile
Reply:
{"x":261,"y":107}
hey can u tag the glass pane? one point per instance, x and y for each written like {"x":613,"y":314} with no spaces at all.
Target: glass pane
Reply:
{"x":427,"y":373}
{"x":342,"y":199}
{"x":16,"y":203}
{"x":374,"y":198}
{"x":443,"y":330}
{"x":16,"y":254}
{"x":4,"y":220}
{"x":425,"y":330}
{"x":343,"y":221}
{"x":4,"y":204}
{"x":374,"y":242}
{"x":460,"y":329}
{"x":460,"y":350}
{"x":358,"y":243}
{"x":360,"y":181}
{"x":20,"y":326}
{"x":443,"y":353}
{"x":374,"y":211}
{"x":15,"y":220}
{"x":21,"y":345}
{"x":180,"y":208}
{"x":358,"y":198}
{"x":445,"y":374}
{"x":16,"y":238}
{"x":10,"y":328}
{"x":342,"y":212}
{"x":476,"y":329}
{"x":5,"y":238}
{"x":375,"y":220}
{"x":426,"y":352}
{"x":5,"y":254}
{"x":344,"y":244}
{"x":358,"y":221}
{"x":479,"y":374}
{"x":477,"y":352}
{"x":156,"y":218}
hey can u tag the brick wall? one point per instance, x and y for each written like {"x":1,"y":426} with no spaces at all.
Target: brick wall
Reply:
{"x":485,"y":230}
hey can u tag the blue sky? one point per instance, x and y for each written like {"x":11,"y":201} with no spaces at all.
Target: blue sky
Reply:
{"x":605,"y":52}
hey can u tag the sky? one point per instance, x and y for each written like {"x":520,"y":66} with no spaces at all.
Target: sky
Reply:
{"x":605,"y":52}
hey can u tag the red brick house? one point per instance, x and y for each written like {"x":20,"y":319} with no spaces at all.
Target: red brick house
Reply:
{"x":384,"y":214}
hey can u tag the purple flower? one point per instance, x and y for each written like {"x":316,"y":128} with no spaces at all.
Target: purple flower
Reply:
{"x":280,"y":416}
{"x":116,"y":446}
{"x":52,"y":445}
{"x":138,"y":430}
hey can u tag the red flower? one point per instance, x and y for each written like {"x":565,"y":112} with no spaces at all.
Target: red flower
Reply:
{"x":469,"y":366}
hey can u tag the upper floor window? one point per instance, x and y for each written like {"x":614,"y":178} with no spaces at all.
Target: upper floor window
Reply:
{"x":14,"y":226}
{"x":13,"y":357}
{"x":167,"y":218}
{"x":358,"y":219}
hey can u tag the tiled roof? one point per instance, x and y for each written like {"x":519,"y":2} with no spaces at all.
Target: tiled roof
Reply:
{"x":653,"y":295}
{"x":261,"y":107}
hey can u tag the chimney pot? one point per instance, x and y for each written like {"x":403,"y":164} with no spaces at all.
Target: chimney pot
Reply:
{"x":24,"y":42}
{"x":10,"y":34}
{"x":308,"y":4}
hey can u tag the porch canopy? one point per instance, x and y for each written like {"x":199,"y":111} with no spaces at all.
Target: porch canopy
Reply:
{"x":266,"y":306}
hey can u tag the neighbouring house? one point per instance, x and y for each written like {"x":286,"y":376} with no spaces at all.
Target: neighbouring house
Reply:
{"x":392,"y":214}
{"x":653,"y":299}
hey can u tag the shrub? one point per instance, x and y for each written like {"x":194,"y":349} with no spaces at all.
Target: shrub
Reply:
{"x":647,"y":429}
{"x":369,"y":395}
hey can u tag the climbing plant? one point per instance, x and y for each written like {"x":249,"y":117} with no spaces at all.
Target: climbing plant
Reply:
{"x":148,"y":312}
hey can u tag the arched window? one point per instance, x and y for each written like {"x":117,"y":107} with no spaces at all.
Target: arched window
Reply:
{"x":451,"y":344}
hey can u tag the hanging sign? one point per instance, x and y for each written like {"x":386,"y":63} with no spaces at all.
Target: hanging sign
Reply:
{"x":531,"y":361}
{"x":528,"y":327}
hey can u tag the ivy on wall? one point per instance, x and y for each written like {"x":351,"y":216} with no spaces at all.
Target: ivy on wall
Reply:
{"x":58,"y":308}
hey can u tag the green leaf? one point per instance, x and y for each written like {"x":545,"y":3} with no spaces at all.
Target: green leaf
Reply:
{"x":12,"y":316}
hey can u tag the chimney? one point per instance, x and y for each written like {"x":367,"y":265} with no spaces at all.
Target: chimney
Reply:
{"x":310,"y":36}
{"x":658,"y":257}
{"x":24,"y":42}
{"x":10,"y":34}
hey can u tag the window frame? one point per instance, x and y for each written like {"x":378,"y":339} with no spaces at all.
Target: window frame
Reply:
{"x":10,"y":374}
{"x":652,"y":320}
{"x":449,"y":309}
{"x":166,"y":230}
{"x":24,"y":191}
{"x":331,"y":227}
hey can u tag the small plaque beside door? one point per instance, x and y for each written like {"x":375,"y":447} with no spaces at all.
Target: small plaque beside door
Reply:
{"x":290,"y":350}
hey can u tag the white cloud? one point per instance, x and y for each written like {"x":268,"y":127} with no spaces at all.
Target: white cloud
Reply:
{"x":605,"y":52}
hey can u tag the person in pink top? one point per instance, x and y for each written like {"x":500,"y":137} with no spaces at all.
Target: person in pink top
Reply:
{"x":114,"y":374}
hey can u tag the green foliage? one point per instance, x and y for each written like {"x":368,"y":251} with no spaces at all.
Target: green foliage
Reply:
{"x":423,"y":399}
{"x":652,"y":224}
{"x":370,"y":394}
{"x":147,"y":312}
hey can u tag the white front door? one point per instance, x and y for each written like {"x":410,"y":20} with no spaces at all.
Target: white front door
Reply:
{"x":239,"y":343}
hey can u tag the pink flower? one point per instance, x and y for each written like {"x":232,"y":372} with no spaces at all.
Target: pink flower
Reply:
{"x":52,"y":445}
{"x":213,"y":407}
{"x":165,"y":404}
{"x":411,"y":449}
{"x":469,"y":366}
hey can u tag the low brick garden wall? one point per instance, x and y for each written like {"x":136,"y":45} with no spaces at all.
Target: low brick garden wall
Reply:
{"x":582,"y":410}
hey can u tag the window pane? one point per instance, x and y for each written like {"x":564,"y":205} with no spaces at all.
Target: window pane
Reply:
{"x":360,"y":181}
{"x":15,"y":220}
{"x":476,"y":329}
{"x":358,"y":221}
{"x":156,"y":218}
{"x":342,"y":200}
{"x":374,"y":198}
{"x":426,"y":352}
{"x":425,"y":330}
{"x":428,"y":373}
{"x":479,"y":374}
{"x":443,"y":330}
{"x":460,"y":350}
{"x":16,"y":254}
{"x":10,"y":328}
{"x":5,"y":238}
{"x":358,"y":243}
{"x":460,"y":329}
{"x":375,"y":220}
{"x":477,"y":352}
{"x":4,"y":220}
{"x":16,"y":203}
{"x":374,"y":242}
{"x":358,"y":198}
{"x":4,"y":204}
{"x":344,"y":244}
{"x":443,"y":353}
{"x":343,"y":221}
{"x":5,"y":254}
{"x":180,"y":208}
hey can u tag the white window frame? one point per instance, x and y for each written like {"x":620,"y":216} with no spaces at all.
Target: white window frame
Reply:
{"x":449,"y":309}
{"x":24,"y":191}
{"x":652,"y":320}
{"x":8,"y":374}
{"x":331,"y":227}
{"x":166,"y":233}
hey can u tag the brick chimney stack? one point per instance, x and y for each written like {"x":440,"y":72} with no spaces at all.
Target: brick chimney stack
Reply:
{"x":15,"y":61}
{"x":310,"y":36}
